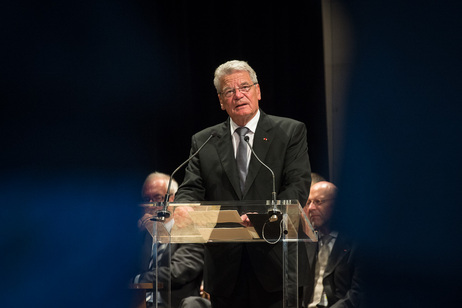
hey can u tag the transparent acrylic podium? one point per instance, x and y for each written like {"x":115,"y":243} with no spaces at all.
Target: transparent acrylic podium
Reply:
{"x":284,"y":225}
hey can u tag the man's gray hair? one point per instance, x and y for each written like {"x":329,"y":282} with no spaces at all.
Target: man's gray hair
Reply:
{"x":162,"y":176}
{"x":231,"y":67}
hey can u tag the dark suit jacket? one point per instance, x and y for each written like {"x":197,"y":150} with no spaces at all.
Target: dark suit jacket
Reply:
{"x":342,"y":277}
{"x":186,"y":269}
{"x":281,"y":143}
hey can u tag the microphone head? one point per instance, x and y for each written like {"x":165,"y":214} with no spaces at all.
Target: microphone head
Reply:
{"x":274,"y":215}
{"x":161,"y":215}
{"x":213,"y":133}
{"x":246,"y":138}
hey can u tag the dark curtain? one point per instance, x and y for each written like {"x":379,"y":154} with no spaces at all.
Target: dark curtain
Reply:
{"x":96,"y":95}
{"x":283,"y":43}
{"x":401,"y":183}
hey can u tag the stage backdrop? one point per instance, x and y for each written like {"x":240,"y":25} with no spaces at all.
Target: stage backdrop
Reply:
{"x":97,"y":94}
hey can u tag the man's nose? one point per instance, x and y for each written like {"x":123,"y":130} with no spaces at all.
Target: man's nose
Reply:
{"x":238,"y":93}
{"x":311,"y":206}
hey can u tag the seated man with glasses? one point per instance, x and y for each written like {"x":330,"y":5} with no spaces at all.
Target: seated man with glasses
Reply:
{"x":187,"y":260}
{"x":334,"y":271}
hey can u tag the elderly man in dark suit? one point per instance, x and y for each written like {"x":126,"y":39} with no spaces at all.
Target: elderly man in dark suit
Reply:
{"x":245,"y":275}
{"x":187,"y":260}
{"x":335,"y":273}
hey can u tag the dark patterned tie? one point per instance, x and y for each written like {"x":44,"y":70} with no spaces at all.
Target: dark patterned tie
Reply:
{"x":241,"y":156}
{"x":157,"y":255}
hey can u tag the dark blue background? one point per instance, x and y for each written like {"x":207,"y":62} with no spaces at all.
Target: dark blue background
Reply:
{"x":96,"y":94}
{"x":401,"y":183}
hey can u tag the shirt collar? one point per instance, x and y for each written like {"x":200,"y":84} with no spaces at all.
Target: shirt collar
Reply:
{"x":252,"y":125}
{"x":333,"y":234}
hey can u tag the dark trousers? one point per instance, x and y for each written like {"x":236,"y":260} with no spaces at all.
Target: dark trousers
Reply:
{"x":248,"y":291}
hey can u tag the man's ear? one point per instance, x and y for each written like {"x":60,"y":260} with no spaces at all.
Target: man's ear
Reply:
{"x":258,"y":91}
{"x":221,"y":104}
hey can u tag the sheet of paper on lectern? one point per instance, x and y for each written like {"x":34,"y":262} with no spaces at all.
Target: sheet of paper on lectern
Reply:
{"x":229,"y":216}
{"x":227,"y":234}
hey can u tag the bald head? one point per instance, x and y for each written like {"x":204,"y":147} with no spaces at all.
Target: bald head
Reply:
{"x":325,"y":188}
{"x":155,"y":187}
{"x":320,"y":205}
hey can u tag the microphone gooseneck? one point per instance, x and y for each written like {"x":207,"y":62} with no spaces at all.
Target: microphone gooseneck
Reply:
{"x":164,"y":213}
{"x":275,"y":211}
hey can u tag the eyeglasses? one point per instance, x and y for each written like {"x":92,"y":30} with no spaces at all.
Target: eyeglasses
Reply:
{"x":317,"y":202}
{"x":242,"y":89}
{"x":154,"y":198}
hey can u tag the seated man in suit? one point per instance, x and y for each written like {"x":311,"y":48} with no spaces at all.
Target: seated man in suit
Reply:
{"x":187,"y":260}
{"x":334,"y":269}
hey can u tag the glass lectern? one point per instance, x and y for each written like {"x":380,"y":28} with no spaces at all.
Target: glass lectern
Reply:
{"x":283,"y":224}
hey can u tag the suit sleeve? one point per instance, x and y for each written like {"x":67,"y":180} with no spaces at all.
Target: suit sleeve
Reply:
{"x":186,"y":265}
{"x":354,"y":295}
{"x":296,"y":176}
{"x":192,"y":188}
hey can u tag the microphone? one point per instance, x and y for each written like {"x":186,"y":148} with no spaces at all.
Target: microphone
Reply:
{"x":164,"y":213}
{"x":275,"y":211}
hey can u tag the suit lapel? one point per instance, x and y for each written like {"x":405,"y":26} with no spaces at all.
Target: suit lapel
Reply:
{"x":263,"y":138}
{"x":339,"y":251}
{"x":146,"y":254}
{"x":225,"y":151}
{"x":312,"y":252}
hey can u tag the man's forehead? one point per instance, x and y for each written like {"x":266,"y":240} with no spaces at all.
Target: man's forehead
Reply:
{"x":236,"y":77}
{"x":156,"y":184}
{"x":320,"y":192}
{"x":317,"y":193}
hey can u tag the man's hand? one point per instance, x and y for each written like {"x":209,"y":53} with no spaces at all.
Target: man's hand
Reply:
{"x":246,"y":221}
{"x":145,"y":222}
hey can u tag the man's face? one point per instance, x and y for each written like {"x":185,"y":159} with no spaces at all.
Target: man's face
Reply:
{"x":240,"y":106}
{"x":154,"y":191}
{"x":320,"y":214}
